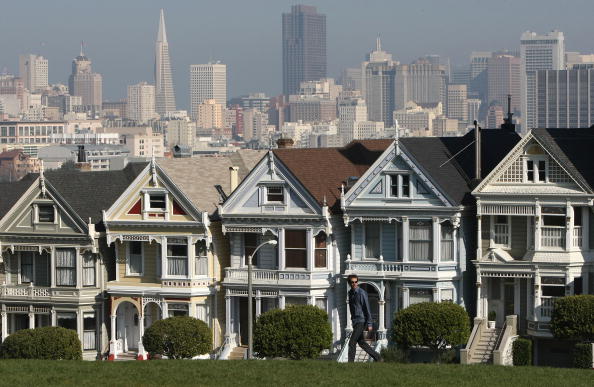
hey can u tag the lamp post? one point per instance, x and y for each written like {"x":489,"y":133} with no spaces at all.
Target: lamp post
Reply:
{"x":271,"y":242}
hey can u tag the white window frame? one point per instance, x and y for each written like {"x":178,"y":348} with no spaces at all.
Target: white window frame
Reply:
{"x":128,"y":272}
{"x":148,"y":202}
{"x":509,"y":232}
{"x":328,"y":244}
{"x":399,"y":176}
{"x":265,"y":194}
{"x":36,"y":213}
{"x":198,"y":257}
{"x":177,"y":242}
{"x":94,"y":267}
{"x":535,"y":160}
{"x":365,"y":257}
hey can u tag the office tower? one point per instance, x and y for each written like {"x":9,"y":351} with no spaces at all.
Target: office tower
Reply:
{"x":537,"y":52}
{"x":573,"y":58}
{"x":457,"y":105}
{"x":460,"y":76}
{"x":323,"y":88}
{"x":209,"y":114}
{"x":207,"y":81}
{"x":416,"y":118}
{"x":474,"y":107}
{"x":84,"y":83}
{"x":304,"y":47}
{"x":503,"y":74}
{"x":351,"y":79}
{"x":563,"y":98}
{"x":33,"y":70}
{"x":379,"y":75}
{"x":421,"y":82}
{"x":353,"y":109}
{"x":495,"y":116}
{"x":478,"y":73}
{"x":164,"y":94}
{"x":353,"y":123}
{"x":141,"y":102}
{"x":311,"y":108}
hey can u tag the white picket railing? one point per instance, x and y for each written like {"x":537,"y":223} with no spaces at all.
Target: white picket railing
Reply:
{"x":577,"y":236}
{"x":547,"y":304}
{"x":553,"y":236}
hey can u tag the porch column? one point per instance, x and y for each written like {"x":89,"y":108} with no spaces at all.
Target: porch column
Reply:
{"x":164,"y":309}
{"x":436,"y":239}
{"x":585,"y":228}
{"x":191,"y":258}
{"x":281,"y":249}
{"x":349,"y":323}
{"x":405,"y":238}
{"x":537,"y":224}
{"x":479,"y":250}
{"x":310,"y":249}
{"x":569,"y":227}
{"x":4,"y":318}
{"x":31,"y":317}
{"x":568,"y":283}
{"x":436,"y":295}
{"x":141,"y":352}
{"x":227,"y":314}
{"x":53,"y":317}
{"x":311,"y":300}
{"x":164,"y":257}
{"x":78,"y":258}
{"x":113,"y":351}
{"x":479,"y":301}
{"x":281,"y":302}
{"x":405,"y":297}
{"x":258,"y":303}
{"x":53,"y":267}
{"x":517,"y":297}
{"x":381,"y":329}
{"x":537,"y":291}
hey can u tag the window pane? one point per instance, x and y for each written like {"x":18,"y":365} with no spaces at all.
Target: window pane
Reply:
{"x":275,"y":194}
{"x":372,"y":240}
{"x":405,"y":186}
{"x":295,"y":239}
{"x":530,"y":170}
{"x":394,"y":185}
{"x":420,"y":241}
{"x":46,"y":213}
{"x":558,"y":221}
{"x":26,"y":267}
{"x":320,"y":258}
{"x":577,"y":216}
{"x":177,"y":250}
{"x":67,"y":320}
{"x":135,"y":247}
{"x":65,"y":267}
{"x":296,"y":258}
{"x":250,"y":242}
{"x":321,"y":240}
{"x":447,"y":242}
{"x":542,"y":171}
{"x":157,"y":201}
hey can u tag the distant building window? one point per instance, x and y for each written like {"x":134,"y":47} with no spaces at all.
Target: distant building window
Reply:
{"x":45,"y":213}
{"x":275,"y":194}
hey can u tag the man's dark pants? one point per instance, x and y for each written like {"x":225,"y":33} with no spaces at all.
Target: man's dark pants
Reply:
{"x":359,"y":338}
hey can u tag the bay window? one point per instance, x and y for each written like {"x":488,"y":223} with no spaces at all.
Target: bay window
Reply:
{"x":177,"y":257}
{"x":135,"y":264}
{"x":320,"y":250}
{"x":296,"y":249}
{"x":447,"y":242}
{"x":502,"y":230}
{"x":65,"y":267}
{"x":420,"y":243}
{"x":26,"y":267}
{"x":88,"y":268}
{"x":201,"y":258}
{"x":372,"y":240}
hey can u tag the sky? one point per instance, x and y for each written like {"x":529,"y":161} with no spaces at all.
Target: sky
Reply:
{"x":119,"y":35}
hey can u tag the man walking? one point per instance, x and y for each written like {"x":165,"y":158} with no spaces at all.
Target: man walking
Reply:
{"x":361,"y":318}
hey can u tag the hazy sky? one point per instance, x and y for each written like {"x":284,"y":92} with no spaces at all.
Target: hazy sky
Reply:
{"x":245,"y":34}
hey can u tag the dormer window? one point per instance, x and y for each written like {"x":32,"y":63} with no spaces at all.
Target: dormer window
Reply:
{"x":45,"y":213}
{"x":536,"y":171}
{"x":399,"y":186}
{"x":157,"y":201}
{"x":275,"y":194}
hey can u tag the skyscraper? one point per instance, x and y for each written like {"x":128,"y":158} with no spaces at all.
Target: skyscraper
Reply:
{"x":537,"y":52}
{"x":207,"y":81}
{"x":33,"y":70}
{"x":164,"y":94}
{"x":457,"y":105}
{"x":84,"y":83}
{"x":141,"y":102}
{"x":304,"y":47}
{"x":503,"y":74}
{"x":421,"y":82}
{"x":378,"y":83}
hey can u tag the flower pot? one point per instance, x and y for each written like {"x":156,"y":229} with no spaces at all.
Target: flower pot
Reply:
{"x":491,"y":324}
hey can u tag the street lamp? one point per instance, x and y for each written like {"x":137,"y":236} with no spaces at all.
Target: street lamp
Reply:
{"x":271,"y":242}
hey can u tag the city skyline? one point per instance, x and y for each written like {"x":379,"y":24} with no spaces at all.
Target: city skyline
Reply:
{"x":195,"y":39}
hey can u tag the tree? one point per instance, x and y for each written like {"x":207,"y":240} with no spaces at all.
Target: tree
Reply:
{"x":297,"y":332}
{"x":179,"y":337}
{"x":573,"y":318}
{"x":430,"y":324}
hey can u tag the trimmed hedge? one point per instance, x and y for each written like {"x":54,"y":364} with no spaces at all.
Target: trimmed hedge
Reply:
{"x":573,"y":318}
{"x":297,"y":332}
{"x":180,"y":337}
{"x":522,"y":352}
{"x":392,"y":354}
{"x":582,"y":355}
{"x":431,"y":324}
{"x":48,"y":343}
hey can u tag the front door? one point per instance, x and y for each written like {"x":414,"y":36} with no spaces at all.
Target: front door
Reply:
{"x":127,"y":326}
{"x":508,"y":300}
{"x":243,"y":319}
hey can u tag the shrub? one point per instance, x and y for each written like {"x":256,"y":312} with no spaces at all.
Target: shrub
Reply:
{"x":522,"y":352}
{"x":179,"y":337}
{"x":582,"y":355}
{"x":573,"y":318}
{"x":392,"y":354}
{"x":49,"y":343}
{"x":297,"y":332}
{"x":430,"y":324}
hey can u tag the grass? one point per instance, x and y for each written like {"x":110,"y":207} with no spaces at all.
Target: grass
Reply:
{"x":278,"y":373}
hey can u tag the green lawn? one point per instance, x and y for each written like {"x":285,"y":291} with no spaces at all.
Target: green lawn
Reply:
{"x":279,"y":373}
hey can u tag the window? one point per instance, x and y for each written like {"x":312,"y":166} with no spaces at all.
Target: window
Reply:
{"x":447,"y":242}
{"x":372,"y":240}
{"x":295,"y":301}
{"x":420,"y":247}
{"x":88,"y":270}
{"x":201,"y":254}
{"x":175,"y":310}
{"x":536,"y":171}
{"x":135,"y":258}
{"x":320,"y":250}
{"x":177,"y":258}
{"x":67,"y":320}
{"x":45,"y":213}
{"x":296,"y":249}
{"x":501,"y":229}
{"x":250,"y":242}
{"x":322,"y":303}
{"x":417,"y":296}
{"x":65,"y":267}
{"x":275,"y":195}
{"x":89,"y":329}
{"x":158,"y":201}
{"x":553,"y":286}
{"x":26,"y":267}
{"x":202,"y":313}
{"x":400,"y":186}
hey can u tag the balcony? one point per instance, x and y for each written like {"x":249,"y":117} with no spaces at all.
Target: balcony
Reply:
{"x":239,"y":276}
{"x":397,"y":269}
{"x":23,"y":292}
{"x":553,"y":237}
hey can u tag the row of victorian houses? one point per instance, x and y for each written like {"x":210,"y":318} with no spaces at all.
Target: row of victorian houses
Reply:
{"x":491,"y":221}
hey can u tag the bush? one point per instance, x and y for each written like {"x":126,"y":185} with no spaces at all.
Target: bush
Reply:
{"x":179,"y":337}
{"x":49,"y":343}
{"x":392,"y":354}
{"x":582,"y":355}
{"x":522,"y":352}
{"x":297,"y":332}
{"x":573,"y":318}
{"x":431,"y":324}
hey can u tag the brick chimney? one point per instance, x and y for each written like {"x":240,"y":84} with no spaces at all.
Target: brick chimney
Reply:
{"x":283,"y":143}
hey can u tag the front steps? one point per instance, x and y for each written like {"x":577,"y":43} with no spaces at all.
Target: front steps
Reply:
{"x":483,"y":354}
{"x":238,"y":353}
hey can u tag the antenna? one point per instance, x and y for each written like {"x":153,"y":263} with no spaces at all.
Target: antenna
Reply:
{"x":82,"y":44}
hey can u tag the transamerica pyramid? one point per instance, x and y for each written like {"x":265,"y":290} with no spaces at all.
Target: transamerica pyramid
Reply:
{"x":165,"y":96}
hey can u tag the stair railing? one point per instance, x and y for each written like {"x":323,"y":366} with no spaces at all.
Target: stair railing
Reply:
{"x":475,"y":336}
{"x":502,"y":353}
{"x":343,"y":356}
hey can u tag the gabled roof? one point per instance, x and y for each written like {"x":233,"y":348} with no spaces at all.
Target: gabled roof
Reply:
{"x":10,"y":193}
{"x":573,"y":148}
{"x":456,"y":175}
{"x":323,"y":171}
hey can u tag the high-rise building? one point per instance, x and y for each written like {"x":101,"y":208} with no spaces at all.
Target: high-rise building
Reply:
{"x":379,"y":76}
{"x":537,"y":52}
{"x":421,"y":82}
{"x":304,"y":47}
{"x":503,"y":73}
{"x":351,"y":79}
{"x":207,"y":81}
{"x":209,"y":114}
{"x":164,"y":94}
{"x":84,"y":83}
{"x":495,"y":116}
{"x":474,"y":107}
{"x":33,"y":70}
{"x":478,"y":73}
{"x":563,"y":98}
{"x":141,"y":102}
{"x":457,"y":106}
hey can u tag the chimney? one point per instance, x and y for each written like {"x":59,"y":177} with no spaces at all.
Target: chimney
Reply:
{"x":477,"y":151}
{"x":82,"y":157}
{"x":507,"y":122}
{"x":233,"y":177}
{"x":283,"y":143}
